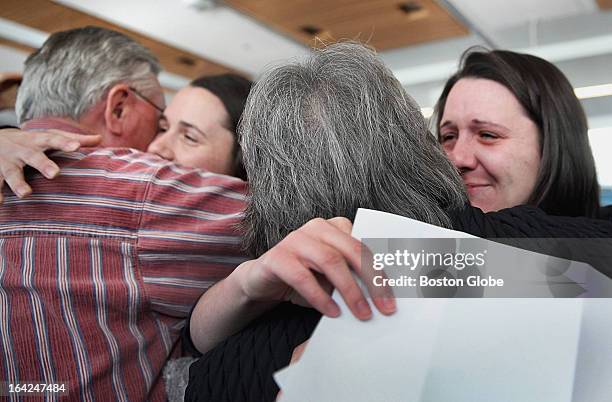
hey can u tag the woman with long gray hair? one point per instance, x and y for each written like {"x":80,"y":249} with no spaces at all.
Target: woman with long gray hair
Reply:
{"x":334,"y":133}
{"x":321,"y":138}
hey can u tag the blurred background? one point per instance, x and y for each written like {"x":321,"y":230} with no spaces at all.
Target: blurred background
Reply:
{"x":420,"y":40}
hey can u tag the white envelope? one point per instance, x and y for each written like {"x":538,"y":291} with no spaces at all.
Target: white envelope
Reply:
{"x":442,"y":350}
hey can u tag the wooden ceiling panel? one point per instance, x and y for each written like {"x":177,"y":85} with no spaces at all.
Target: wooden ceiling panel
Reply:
{"x":605,"y":4}
{"x":15,"y":45}
{"x":51,"y":17}
{"x":384,"y":24}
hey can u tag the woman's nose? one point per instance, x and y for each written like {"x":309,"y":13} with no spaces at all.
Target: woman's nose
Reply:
{"x":463,"y":154}
{"x":161,"y":146}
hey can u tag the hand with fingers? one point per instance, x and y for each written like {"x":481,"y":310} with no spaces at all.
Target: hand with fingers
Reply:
{"x":27,"y":148}
{"x":308,"y":263}
{"x":303,"y":268}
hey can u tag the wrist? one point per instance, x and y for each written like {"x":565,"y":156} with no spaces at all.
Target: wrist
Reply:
{"x":240,"y":284}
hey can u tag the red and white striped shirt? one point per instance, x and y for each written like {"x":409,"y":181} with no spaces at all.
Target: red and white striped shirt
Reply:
{"x":100,"y":266}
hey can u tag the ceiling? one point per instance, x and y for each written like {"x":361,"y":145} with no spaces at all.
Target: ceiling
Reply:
{"x":384,"y":24}
{"x":576,"y":34}
{"x":46,"y":16}
{"x":420,"y":40}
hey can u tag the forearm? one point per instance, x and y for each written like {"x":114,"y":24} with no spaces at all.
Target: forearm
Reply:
{"x":301,"y":269}
{"x":223,"y":310}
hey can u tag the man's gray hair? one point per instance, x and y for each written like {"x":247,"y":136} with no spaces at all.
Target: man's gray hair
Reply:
{"x":334,"y":133}
{"x":74,"y":69}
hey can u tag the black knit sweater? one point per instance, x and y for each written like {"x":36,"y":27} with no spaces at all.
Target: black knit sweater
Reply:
{"x":241,"y":367}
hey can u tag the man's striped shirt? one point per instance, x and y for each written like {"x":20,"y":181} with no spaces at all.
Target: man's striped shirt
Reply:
{"x":100,"y":266}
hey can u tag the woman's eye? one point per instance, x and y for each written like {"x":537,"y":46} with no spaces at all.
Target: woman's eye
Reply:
{"x":445,"y":137}
{"x":162,"y":126}
{"x":190,"y":137}
{"x":487,"y":135}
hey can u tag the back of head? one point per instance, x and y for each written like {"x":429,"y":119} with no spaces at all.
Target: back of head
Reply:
{"x":73,"y":70}
{"x":567,"y":180}
{"x":333,"y":133}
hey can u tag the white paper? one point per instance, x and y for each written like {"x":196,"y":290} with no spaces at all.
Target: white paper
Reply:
{"x":370,"y":224}
{"x":593,"y":379}
{"x":438,"y":350}
{"x":355,"y":349}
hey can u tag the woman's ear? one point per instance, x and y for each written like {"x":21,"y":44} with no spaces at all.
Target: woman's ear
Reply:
{"x":117,"y":106}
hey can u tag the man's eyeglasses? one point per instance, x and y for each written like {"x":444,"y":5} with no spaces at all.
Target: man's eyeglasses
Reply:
{"x":144,"y":98}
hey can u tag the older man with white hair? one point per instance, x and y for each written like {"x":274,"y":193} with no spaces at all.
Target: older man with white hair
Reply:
{"x":100,"y":267}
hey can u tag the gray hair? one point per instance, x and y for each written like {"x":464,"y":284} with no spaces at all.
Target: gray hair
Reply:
{"x":333,"y":133}
{"x":74,"y":69}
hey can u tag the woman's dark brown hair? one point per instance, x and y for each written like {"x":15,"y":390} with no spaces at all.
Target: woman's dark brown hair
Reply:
{"x":567,"y":181}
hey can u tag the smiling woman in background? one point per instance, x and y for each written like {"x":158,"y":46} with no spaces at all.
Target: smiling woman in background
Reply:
{"x":513,"y":127}
{"x":198,"y":128}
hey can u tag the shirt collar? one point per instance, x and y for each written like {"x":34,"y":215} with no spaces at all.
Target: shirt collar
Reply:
{"x":48,"y":123}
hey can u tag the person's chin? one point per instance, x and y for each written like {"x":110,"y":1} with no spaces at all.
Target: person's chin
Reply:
{"x":482,"y":197}
{"x":479,"y":191}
